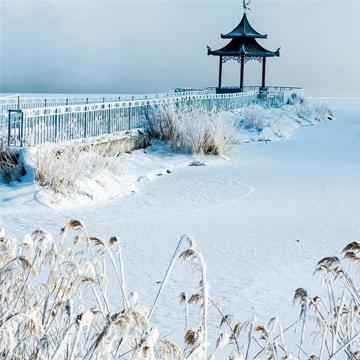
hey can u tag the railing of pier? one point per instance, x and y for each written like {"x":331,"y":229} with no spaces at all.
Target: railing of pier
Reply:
{"x":19,"y":102}
{"x":31,"y":102}
{"x":29,"y":126}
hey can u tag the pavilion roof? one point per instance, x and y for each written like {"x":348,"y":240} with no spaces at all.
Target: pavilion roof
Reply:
{"x":248,"y":47}
{"x":244,"y":29}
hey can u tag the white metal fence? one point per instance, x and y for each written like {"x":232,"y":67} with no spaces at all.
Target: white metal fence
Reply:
{"x":26,"y":123}
{"x":30,"y":102}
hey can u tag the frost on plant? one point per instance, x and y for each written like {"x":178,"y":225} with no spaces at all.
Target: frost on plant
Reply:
{"x":9,"y":169}
{"x":269,"y":122}
{"x":54,"y":304}
{"x":54,"y":301}
{"x":195,"y":130}
{"x":201,"y":130}
{"x":61,"y":167}
{"x":312,"y":111}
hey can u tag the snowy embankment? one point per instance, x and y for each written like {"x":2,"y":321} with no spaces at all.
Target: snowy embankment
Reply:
{"x":85,"y":177}
{"x":81,"y":171}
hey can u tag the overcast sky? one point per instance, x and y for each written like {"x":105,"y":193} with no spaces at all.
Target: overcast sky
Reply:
{"x":149,"y":46}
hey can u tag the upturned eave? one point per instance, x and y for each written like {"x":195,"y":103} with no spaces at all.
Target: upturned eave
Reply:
{"x":248,"y":48}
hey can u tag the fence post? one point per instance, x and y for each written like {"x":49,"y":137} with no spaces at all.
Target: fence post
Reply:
{"x":85,"y":119}
{"x":109,"y":120}
{"x":56,"y":125}
{"x":9,"y":129}
{"x":21,"y":129}
{"x":129,"y":117}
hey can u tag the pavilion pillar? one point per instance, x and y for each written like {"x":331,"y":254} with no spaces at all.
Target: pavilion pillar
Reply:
{"x":263,"y":72}
{"x":220,"y":70}
{"x":242,"y":61}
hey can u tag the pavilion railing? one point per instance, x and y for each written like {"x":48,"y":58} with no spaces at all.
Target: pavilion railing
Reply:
{"x":29,"y":126}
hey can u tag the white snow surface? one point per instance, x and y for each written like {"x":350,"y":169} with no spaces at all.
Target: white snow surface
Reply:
{"x":262,"y":217}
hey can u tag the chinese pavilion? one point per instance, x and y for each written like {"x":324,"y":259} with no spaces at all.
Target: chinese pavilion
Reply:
{"x":242,"y":48}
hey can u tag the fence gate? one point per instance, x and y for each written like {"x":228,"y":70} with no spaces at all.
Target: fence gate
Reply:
{"x":15,"y":128}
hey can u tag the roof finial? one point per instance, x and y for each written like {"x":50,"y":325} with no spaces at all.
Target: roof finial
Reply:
{"x":246,"y":4}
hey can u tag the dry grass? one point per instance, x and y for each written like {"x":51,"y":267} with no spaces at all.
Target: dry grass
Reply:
{"x":313,"y":111}
{"x":54,"y":300}
{"x":256,"y":116}
{"x":60,"y":167}
{"x":8,"y":164}
{"x":192,"y":130}
{"x":199,"y":130}
{"x":270,"y":122}
{"x":54,"y":304}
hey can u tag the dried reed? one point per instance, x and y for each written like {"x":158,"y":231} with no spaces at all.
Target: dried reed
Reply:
{"x":54,"y":305}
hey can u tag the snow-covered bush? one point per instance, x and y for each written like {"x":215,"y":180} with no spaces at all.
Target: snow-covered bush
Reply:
{"x":8,"y":164}
{"x":192,"y":130}
{"x":198,"y":130}
{"x":255,"y":116}
{"x":269,"y":122}
{"x":60,"y":167}
{"x":284,"y":127}
{"x":312,"y":110}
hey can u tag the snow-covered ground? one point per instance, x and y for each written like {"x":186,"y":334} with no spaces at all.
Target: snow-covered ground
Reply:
{"x":261,"y":218}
